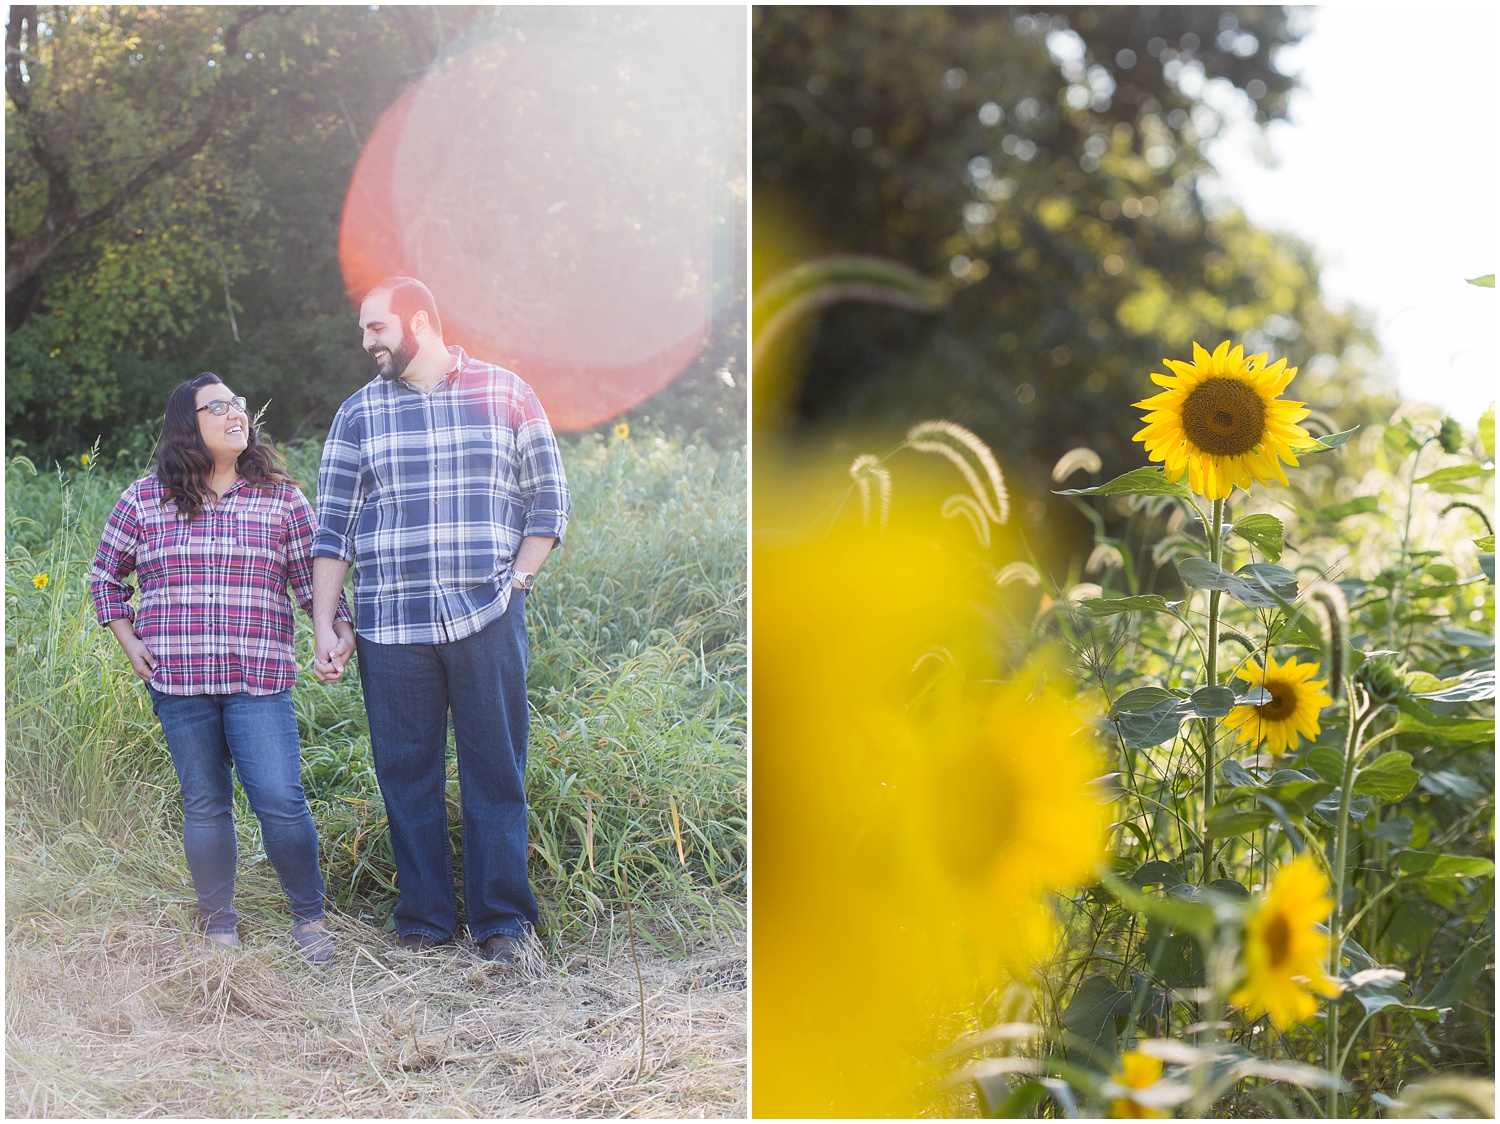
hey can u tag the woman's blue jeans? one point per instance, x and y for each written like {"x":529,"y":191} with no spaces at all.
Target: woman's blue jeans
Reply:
{"x":256,"y":735}
{"x":409,"y":689}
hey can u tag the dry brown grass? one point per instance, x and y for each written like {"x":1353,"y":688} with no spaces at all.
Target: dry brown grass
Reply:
{"x":113,"y":1019}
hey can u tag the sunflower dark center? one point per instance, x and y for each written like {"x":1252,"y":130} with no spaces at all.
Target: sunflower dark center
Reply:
{"x":1278,"y":940}
{"x":1225,"y":417}
{"x":1283,"y":702}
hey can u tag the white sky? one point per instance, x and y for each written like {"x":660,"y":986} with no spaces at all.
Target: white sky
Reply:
{"x":1388,"y":169}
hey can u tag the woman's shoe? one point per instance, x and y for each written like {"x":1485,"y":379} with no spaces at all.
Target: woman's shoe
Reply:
{"x":313,"y":940}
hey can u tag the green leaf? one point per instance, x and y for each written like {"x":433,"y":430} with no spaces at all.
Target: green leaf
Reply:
{"x":1141,"y":699}
{"x":1456,"y":472}
{"x":1475,"y":686}
{"x":1359,"y":505}
{"x":1454,"y":785}
{"x":1264,"y":532}
{"x":1201,"y":573}
{"x":1485,"y":282}
{"x":1147,"y":602}
{"x":1486,"y":543}
{"x":1212,"y":702}
{"x":1148,"y":481}
{"x":1327,"y":762}
{"x":1093,"y":1009}
{"x":1324,"y":444}
{"x":1459,"y":980}
{"x":1389,"y":777}
{"x":1487,"y":431}
{"x":1147,"y":728}
{"x":1416,"y":720}
{"x":1157,"y":873}
{"x":1400,"y":440}
{"x":1425,"y":864}
{"x":1224,"y":822}
{"x":1261,"y":585}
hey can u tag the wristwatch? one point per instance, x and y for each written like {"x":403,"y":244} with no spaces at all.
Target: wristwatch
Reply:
{"x":523,"y":579}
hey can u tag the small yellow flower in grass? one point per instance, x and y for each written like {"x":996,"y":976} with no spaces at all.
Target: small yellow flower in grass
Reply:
{"x":622,"y":430}
{"x":1286,"y":955}
{"x":40,"y":581}
{"x":84,"y":460}
{"x":1220,"y":421}
{"x":1137,"y":1071}
{"x":1292,"y":713}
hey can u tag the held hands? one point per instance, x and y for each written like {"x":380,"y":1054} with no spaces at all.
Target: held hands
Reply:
{"x":331,"y":651}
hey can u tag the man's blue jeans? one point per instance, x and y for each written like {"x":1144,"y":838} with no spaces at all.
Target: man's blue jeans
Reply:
{"x":409,"y":689}
{"x":257,"y":736}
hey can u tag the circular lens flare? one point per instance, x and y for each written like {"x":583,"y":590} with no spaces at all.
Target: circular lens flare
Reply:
{"x":567,"y":195}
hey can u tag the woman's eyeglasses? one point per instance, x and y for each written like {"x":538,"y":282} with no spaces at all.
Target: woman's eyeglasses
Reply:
{"x":220,"y":406}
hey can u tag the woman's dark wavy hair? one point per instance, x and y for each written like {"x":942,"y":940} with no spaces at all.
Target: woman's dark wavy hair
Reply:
{"x":183,"y":463}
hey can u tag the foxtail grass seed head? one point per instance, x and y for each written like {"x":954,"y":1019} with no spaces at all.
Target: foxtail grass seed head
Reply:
{"x":867,"y":471}
{"x":1292,"y":714}
{"x":1381,"y":678}
{"x":1221,"y":421}
{"x":1328,"y":601}
{"x":1081,"y":458}
{"x":1105,"y":556}
{"x":1023,"y":572}
{"x":971,"y":456}
{"x":1285,"y":951}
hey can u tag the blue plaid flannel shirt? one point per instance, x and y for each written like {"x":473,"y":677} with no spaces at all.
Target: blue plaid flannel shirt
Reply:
{"x":430,"y":495}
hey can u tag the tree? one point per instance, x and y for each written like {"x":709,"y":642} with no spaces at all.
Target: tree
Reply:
{"x":1049,"y":169}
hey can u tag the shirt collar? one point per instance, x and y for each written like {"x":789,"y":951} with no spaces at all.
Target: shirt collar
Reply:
{"x":460,"y":360}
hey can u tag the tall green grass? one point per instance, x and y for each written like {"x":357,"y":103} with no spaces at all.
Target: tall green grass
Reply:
{"x":637,"y":686}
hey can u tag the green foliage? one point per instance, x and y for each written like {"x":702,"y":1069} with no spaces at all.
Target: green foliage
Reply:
{"x":637,"y":686}
{"x":1419,"y":804}
{"x":126,"y":276}
{"x":1044,"y":165}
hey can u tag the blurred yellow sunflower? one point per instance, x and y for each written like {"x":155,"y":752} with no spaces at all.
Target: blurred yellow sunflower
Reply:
{"x":1137,"y":1071}
{"x":1292,"y":713}
{"x":40,"y":581}
{"x":1286,"y":954}
{"x":1219,"y":420}
{"x":622,"y":430}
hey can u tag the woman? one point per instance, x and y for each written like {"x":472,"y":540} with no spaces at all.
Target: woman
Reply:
{"x":214,"y":536}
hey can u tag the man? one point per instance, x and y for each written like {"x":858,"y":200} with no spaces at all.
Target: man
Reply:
{"x":441,"y":482}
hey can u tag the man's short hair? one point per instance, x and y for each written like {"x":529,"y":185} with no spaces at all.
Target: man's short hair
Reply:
{"x":408,"y":297}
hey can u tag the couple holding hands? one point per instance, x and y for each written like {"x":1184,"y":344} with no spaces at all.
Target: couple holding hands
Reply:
{"x":441,"y":483}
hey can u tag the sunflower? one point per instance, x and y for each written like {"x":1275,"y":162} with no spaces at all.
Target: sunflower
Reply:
{"x":1137,"y":1071}
{"x":1285,"y":952}
{"x":40,"y":581}
{"x":622,"y":430}
{"x":1219,"y":420}
{"x":1292,"y":713}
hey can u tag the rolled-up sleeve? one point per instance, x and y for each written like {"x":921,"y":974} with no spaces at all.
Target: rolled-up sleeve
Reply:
{"x":115,"y":561}
{"x":544,"y":486}
{"x":301,"y":523}
{"x":339,"y":497}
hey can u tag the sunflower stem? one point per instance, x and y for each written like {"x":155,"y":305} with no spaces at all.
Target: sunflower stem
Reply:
{"x":1211,"y":725}
{"x":1360,"y":717}
{"x":1411,"y":491}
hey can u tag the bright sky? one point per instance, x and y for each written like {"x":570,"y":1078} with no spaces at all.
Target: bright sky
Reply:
{"x":1388,"y":169}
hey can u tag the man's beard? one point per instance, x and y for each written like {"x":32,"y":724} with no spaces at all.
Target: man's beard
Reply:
{"x":400,"y":358}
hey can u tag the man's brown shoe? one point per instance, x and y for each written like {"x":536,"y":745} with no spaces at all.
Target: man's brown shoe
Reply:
{"x":502,"y":947}
{"x":417,"y":942}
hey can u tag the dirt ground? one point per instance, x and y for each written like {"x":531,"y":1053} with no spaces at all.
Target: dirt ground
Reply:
{"x":141,"y":1021}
